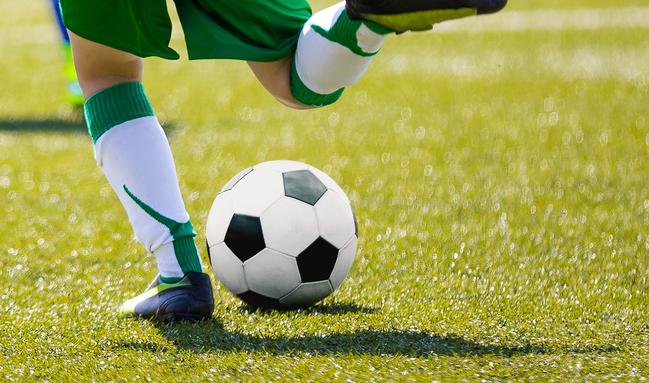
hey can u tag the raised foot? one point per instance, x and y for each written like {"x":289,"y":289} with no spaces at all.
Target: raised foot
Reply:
{"x":418,"y":15}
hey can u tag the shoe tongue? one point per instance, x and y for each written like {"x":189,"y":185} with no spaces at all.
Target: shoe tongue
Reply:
{"x":156,"y":281}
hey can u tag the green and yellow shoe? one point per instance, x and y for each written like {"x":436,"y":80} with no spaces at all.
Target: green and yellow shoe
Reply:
{"x":418,"y":15}
{"x":188,"y":299}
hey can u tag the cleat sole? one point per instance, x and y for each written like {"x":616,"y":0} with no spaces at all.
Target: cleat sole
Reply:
{"x":419,"y":21}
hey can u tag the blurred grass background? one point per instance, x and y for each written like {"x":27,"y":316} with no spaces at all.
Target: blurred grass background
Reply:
{"x":500,"y":180}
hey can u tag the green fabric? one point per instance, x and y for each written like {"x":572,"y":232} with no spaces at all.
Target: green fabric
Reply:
{"x":115,"y":105}
{"x":139,"y":27}
{"x":182,"y":232}
{"x":186,"y":253}
{"x":256,"y":30}
{"x":343,"y":32}
{"x":308,"y":97}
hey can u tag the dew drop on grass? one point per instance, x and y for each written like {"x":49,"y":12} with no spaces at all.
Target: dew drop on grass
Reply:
{"x":420,"y":133}
{"x":406,"y":113}
{"x":548,"y":104}
{"x":603,"y":138}
{"x":554,"y":118}
{"x":542,"y":120}
{"x":334,"y":119}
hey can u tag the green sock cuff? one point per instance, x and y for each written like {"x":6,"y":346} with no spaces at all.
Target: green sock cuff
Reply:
{"x":115,"y":105}
{"x":308,"y":97}
{"x":344,"y":31}
{"x":187,"y":255}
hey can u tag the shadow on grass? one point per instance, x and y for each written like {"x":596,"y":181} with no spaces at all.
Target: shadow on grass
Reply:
{"x":324,"y":309}
{"x":210,"y":335}
{"x":54,"y":125}
{"x":74,"y":124}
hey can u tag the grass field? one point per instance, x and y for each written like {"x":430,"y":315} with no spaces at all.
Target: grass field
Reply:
{"x":499,"y":178}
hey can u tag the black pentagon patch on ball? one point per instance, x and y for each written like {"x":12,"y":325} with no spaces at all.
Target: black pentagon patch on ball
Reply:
{"x":244,"y":236}
{"x":259,"y":301}
{"x":304,"y":186}
{"x":236,"y":179}
{"x":317,"y":261}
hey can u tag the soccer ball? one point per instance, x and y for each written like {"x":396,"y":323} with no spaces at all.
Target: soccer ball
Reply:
{"x":281,"y":234}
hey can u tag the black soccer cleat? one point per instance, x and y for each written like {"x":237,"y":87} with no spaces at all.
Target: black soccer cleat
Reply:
{"x":418,"y":15}
{"x":188,"y":299}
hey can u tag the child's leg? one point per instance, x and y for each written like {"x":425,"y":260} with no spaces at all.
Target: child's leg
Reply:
{"x":333,"y":52}
{"x":132,"y":150}
{"x":338,"y":43}
{"x":275,"y":76}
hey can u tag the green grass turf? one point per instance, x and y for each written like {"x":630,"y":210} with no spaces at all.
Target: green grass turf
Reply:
{"x":500,"y":181}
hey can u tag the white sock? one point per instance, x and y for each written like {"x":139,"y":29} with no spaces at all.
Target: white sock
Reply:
{"x":333,"y":51}
{"x":137,"y":161}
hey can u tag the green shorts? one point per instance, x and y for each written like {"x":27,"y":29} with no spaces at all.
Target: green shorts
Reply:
{"x":255,"y":30}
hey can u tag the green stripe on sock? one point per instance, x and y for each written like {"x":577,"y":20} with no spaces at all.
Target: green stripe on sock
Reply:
{"x":182,"y":232}
{"x":186,"y":253}
{"x":115,"y":105}
{"x":308,"y":97}
{"x":344,"y":31}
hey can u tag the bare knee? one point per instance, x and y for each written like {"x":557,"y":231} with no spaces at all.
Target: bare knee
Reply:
{"x":99,"y":66}
{"x":276,"y":78}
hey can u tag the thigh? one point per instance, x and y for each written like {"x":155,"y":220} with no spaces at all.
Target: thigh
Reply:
{"x":99,"y":66}
{"x":275,"y":76}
